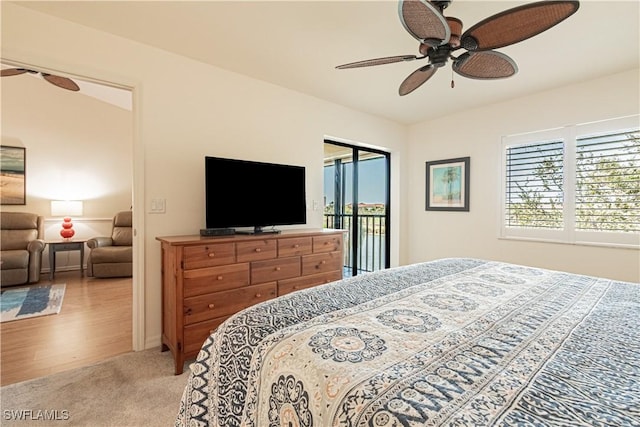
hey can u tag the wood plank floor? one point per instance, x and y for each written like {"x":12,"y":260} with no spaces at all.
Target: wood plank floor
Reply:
{"x":94,"y":324}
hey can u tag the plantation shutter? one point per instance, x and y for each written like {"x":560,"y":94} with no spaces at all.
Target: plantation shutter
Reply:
{"x":534,"y":185}
{"x":607,"y":195}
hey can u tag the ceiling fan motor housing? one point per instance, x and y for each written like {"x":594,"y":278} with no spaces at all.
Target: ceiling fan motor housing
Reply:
{"x":440,"y":55}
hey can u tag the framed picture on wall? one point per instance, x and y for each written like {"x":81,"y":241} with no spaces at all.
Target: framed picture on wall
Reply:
{"x":12,"y":175}
{"x":448,"y":185}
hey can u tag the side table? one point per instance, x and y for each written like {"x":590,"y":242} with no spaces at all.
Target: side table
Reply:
{"x":65,"y":246}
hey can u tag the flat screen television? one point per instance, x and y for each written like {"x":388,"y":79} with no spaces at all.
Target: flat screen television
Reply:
{"x":241,"y":193}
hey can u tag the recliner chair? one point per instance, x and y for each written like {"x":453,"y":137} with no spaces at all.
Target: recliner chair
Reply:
{"x":21,"y":247}
{"x":113,"y":256}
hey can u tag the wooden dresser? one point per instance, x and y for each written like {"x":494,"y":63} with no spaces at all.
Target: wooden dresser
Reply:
{"x":207,"y":279}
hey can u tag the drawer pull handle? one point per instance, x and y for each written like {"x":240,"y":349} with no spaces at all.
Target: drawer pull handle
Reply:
{"x":258,"y":250}
{"x":323,"y":262}
{"x":327,"y":243}
{"x":258,"y":295}
{"x":211,"y":254}
{"x":219,"y":277}
{"x":277,"y":268}
{"x":296,"y":287}
{"x":296,"y":246}
{"x":211,"y":305}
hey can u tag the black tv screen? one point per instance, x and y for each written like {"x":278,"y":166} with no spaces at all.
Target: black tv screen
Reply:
{"x":241,"y":193}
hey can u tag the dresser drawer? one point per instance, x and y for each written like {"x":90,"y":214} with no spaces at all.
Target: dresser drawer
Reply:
{"x":194,"y":335}
{"x":209,"y":255}
{"x":321,"y":263}
{"x":330,"y":243}
{"x":294,"y":246}
{"x":256,"y":250}
{"x":304,"y":282}
{"x":219,"y":304}
{"x":214,"y":279}
{"x":275,"y":269}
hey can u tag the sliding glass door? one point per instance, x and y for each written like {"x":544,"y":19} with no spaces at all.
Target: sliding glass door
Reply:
{"x":356,"y":199}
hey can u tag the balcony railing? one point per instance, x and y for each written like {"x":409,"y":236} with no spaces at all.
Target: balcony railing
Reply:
{"x":371,"y":240}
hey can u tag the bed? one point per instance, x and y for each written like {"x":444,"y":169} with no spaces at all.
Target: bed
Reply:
{"x":456,"y":342}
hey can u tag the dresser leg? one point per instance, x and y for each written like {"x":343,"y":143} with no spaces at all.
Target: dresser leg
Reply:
{"x":179,"y":363}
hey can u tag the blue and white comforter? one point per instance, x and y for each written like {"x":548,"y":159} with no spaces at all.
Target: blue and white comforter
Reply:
{"x":456,"y":342}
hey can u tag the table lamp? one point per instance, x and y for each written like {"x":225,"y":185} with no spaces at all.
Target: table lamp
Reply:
{"x":66,"y":208}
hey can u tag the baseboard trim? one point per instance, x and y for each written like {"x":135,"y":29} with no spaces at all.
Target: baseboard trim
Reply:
{"x":153,"y":342}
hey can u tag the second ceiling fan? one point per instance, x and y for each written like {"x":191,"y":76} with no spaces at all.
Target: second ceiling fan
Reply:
{"x":440,"y":36}
{"x":62,"y":82}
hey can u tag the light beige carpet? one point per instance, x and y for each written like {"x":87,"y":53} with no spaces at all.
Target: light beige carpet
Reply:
{"x":133,"y":389}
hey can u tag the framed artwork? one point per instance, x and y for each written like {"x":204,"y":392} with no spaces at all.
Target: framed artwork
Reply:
{"x":448,"y":185}
{"x":12,"y":175}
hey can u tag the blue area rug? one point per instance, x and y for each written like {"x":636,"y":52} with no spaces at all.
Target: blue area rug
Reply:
{"x":30,"y":301}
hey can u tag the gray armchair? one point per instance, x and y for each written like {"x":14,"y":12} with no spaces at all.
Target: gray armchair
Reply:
{"x":113,"y":256}
{"x":21,"y":246}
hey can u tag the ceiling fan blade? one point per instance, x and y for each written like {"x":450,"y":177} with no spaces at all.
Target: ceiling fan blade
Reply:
{"x":62,"y":82}
{"x":517,"y":24}
{"x":379,"y":61}
{"x":424,"y":22}
{"x":416,"y":79}
{"x":12,"y":72}
{"x":485,"y":65}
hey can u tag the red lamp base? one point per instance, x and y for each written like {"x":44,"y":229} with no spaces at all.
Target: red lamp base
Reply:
{"x":67,"y":231}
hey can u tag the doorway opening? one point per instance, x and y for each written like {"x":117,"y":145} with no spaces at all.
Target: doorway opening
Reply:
{"x":357,"y":199}
{"x":124,"y":318}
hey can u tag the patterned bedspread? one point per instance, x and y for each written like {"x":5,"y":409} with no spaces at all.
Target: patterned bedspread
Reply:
{"x":455,"y":342}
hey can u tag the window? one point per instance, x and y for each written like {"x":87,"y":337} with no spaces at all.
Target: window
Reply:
{"x":577,"y":184}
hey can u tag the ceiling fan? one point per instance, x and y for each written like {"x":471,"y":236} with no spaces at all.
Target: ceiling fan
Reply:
{"x":440,"y":36}
{"x":63,"y":82}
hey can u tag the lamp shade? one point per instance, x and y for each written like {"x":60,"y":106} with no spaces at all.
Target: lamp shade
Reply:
{"x":66,"y":207}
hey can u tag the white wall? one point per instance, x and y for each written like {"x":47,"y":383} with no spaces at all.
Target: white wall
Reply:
{"x":186,"y":110}
{"x":477,"y":134}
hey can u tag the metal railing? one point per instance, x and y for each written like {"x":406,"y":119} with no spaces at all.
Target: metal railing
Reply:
{"x":371,"y":240}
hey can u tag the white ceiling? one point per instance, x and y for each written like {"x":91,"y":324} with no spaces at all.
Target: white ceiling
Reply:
{"x":297,"y":44}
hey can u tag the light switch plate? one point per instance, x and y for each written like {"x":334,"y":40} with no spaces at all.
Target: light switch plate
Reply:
{"x":157,"y":206}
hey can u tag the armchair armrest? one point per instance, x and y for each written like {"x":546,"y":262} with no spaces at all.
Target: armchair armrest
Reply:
{"x":97,"y":242}
{"x":36,"y":246}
